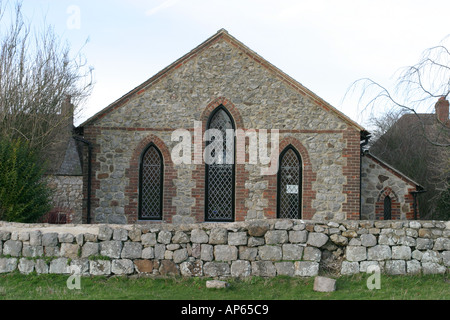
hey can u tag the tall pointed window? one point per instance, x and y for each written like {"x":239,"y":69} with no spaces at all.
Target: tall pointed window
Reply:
{"x":219,"y":158}
{"x":289,"y":193}
{"x":387,"y":208}
{"x":151,"y":184}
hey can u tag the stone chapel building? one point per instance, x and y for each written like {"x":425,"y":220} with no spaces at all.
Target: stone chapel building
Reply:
{"x":131,"y":177}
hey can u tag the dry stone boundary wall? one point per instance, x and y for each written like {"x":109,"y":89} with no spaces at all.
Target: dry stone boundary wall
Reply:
{"x":255,"y":248}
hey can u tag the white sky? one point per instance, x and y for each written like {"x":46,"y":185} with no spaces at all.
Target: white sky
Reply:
{"x":324,"y":45}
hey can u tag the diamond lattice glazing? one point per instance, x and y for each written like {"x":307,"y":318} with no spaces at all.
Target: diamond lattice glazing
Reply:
{"x":220,"y":187}
{"x":290,"y":192}
{"x":151,"y":185}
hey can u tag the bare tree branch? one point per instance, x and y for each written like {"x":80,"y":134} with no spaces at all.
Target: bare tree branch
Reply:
{"x":417,"y":89}
{"x":37,"y":75}
{"x":407,"y":132}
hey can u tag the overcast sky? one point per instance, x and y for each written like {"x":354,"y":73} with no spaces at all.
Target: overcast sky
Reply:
{"x":324,"y":45}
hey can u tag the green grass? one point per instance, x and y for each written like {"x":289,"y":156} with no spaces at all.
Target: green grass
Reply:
{"x":54,"y":287}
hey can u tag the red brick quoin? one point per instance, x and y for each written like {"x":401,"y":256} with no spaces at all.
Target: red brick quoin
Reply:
{"x":352,"y":187}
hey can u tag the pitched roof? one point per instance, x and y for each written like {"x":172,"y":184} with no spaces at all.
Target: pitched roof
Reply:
{"x":426,"y":127}
{"x":222,"y":34}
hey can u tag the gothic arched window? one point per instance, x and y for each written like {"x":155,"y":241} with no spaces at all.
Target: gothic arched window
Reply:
{"x":151,"y":184}
{"x":289,"y":195}
{"x":219,"y":158}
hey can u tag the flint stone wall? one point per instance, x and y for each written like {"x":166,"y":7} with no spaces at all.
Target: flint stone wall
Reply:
{"x":255,"y":248}
{"x":378,"y":181}
{"x":222,"y":74}
{"x":68,"y":196}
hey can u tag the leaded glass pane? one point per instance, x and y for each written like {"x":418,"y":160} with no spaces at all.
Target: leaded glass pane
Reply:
{"x":220,"y":192}
{"x":220,"y":174}
{"x":151,"y":185}
{"x":222,"y":122}
{"x":289,"y":192}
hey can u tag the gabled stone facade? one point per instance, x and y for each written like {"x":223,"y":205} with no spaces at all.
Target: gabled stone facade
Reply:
{"x":221,"y":73}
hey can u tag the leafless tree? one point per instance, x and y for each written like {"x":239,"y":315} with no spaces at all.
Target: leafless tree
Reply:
{"x":37,"y":75}
{"x":380,"y":125}
{"x":405,"y":133}
{"x":416,"y":90}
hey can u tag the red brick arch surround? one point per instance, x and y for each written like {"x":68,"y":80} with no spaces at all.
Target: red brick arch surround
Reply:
{"x":198,"y":174}
{"x":132,"y":189}
{"x":308,"y":194}
{"x":396,"y":209}
{"x":395,"y":205}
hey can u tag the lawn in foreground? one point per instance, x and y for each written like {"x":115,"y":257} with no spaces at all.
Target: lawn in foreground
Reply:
{"x":54,"y":287}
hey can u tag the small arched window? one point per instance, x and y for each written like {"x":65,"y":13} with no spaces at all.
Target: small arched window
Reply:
{"x":151,"y":184}
{"x":219,"y":158}
{"x":289,"y":184}
{"x":387,"y":208}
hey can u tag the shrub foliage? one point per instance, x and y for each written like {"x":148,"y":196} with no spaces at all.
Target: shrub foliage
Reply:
{"x":24,"y":193}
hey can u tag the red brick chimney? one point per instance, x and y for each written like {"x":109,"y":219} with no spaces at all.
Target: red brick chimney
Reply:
{"x":442,"y":110}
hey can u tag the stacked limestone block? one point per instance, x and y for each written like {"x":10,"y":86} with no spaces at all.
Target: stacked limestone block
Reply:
{"x":400,"y":248}
{"x":255,"y":248}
